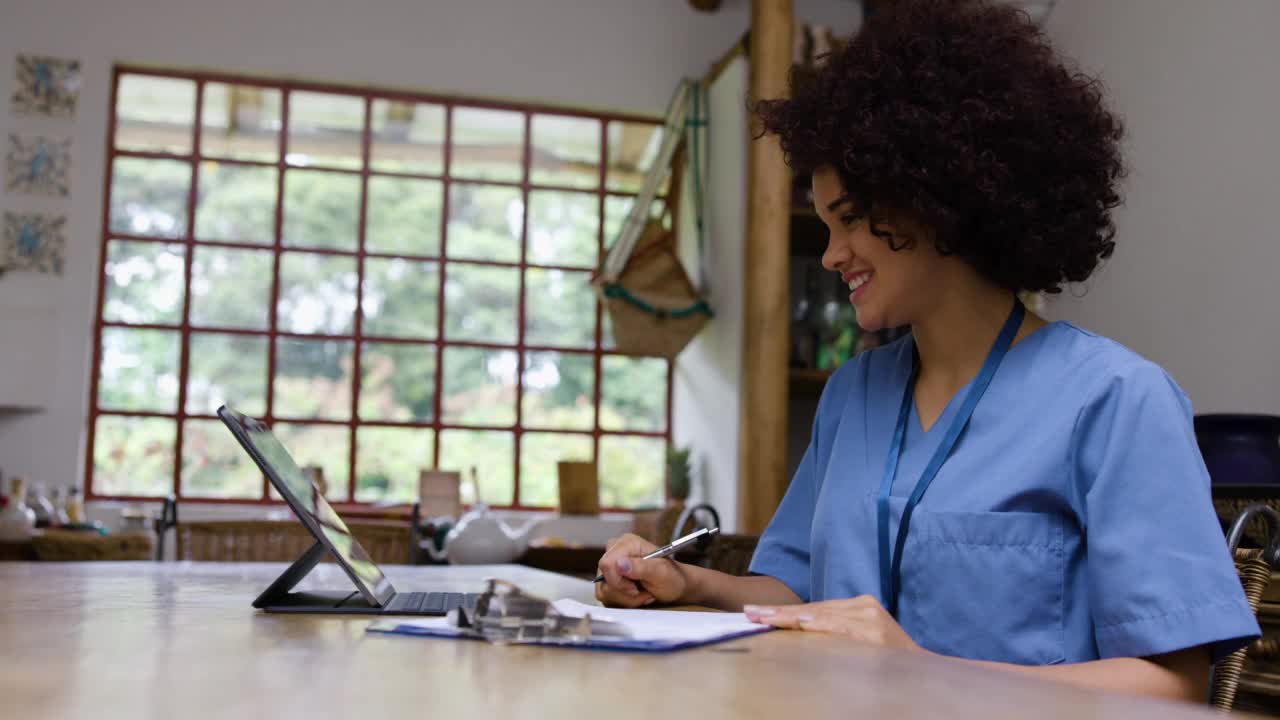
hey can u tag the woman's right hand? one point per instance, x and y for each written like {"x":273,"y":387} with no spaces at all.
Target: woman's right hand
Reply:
{"x":631,"y":581}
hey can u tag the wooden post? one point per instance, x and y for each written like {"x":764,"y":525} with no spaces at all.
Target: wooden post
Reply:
{"x":766,"y":319}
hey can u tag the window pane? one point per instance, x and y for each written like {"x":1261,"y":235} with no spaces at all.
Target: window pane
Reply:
{"x":227,"y":370}
{"x":560,"y":308}
{"x":564,"y":228}
{"x":231,"y":288}
{"x":479,"y":386}
{"x":321,"y":209}
{"x":615,"y":214}
{"x":325,"y":446}
{"x":143,"y":283}
{"x":404,"y":216}
{"x":407,"y":137}
{"x":539,"y":453}
{"x":634,"y":394}
{"x":149,"y":197}
{"x":241,"y":122}
{"x":559,"y":391}
{"x":491,"y":453}
{"x":400,"y":298}
{"x":488,"y":144}
{"x":480,"y":303}
{"x":325,"y":129}
{"x":632,"y":150}
{"x":485,"y":222}
{"x":388,"y":460}
{"x":632,"y":471}
{"x":133,"y":456}
{"x":606,"y":332}
{"x":313,"y":379}
{"x":317,"y":293}
{"x":236,"y":203}
{"x":397,"y":382}
{"x":566,"y":151}
{"x":154,"y":113}
{"x":214,"y":465}
{"x":139,"y":370}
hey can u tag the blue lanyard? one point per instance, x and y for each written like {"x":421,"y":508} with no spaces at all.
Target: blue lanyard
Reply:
{"x":891,"y":571}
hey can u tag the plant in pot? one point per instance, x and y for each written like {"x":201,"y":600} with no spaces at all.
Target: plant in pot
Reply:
{"x":679,"y":474}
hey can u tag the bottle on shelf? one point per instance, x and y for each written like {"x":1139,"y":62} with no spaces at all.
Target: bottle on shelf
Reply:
{"x":75,"y":507}
{"x":40,"y":505}
{"x":59,"y":501}
{"x":805,"y":323}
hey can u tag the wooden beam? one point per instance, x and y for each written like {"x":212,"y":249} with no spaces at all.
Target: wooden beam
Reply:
{"x":737,"y":50}
{"x":766,"y":320}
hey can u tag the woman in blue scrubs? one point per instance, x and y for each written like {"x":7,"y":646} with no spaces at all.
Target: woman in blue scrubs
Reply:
{"x":992,"y":487}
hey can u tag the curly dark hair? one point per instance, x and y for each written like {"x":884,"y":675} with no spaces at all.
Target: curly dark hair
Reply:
{"x":958,"y":114}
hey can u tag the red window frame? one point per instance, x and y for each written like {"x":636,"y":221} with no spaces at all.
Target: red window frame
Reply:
{"x":272,"y":333}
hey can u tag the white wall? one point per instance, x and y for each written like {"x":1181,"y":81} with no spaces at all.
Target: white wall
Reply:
{"x":708,"y":375}
{"x":610,"y":54}
{"x":1192,"y":283}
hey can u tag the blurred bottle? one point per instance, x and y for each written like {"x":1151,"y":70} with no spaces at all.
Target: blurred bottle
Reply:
{"x":75,"y":507}
{"x":17,"y":521}
{"x":40,"y":505}
{"x":805,"y":322}
{"x":59,"y":517}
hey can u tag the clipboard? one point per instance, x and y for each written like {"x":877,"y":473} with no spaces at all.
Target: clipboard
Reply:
{"x":505,"y":615}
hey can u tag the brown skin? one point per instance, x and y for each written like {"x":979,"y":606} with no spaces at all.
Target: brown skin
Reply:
{"x":954,"y":325}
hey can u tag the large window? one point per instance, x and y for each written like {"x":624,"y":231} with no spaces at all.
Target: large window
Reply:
{"x":393,"y":281}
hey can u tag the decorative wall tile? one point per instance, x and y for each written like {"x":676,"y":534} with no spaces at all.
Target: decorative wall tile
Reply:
{"x":46,"y":86}
{"x":33,"y":242}
{"x":38,"y":166}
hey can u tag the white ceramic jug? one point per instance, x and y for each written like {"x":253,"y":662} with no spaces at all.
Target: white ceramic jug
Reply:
{"x":17,"y":521}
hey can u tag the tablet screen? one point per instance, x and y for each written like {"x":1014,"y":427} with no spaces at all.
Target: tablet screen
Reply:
{"x":308,"y":504}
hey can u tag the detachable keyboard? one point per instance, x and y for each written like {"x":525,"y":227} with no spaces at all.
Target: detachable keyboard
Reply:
{"x":428,"y":603}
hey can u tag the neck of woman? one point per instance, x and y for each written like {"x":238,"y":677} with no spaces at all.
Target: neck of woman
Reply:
{"x":955,"y":336}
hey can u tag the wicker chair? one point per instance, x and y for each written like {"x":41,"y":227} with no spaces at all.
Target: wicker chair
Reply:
{"x":725,"y":552}
{"x":731,"y":553}
{"x":283,"y":540}
{"x":1255,"y":567}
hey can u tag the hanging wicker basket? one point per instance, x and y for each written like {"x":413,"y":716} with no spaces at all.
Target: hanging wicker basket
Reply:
{"x":653,"y":306}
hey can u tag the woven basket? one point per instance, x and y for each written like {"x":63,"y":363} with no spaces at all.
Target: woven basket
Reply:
{"x":654,"y":276}
{"x":283,"y":541}
{"x":78,"y":546}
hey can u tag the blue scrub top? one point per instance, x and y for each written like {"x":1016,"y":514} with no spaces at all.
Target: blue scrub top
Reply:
{"x":1072,"y":521}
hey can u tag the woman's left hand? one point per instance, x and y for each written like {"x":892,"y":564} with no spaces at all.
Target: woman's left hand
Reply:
{"x":861,"y":619}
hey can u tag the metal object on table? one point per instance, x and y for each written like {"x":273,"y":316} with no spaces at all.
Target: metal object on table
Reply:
{"x":167,"y":521}
{"x":506,"y":615}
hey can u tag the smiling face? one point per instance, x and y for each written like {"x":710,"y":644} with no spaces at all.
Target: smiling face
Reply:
{"x":888,"y":287}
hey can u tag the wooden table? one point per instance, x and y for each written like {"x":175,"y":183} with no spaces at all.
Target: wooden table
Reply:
{"x":148,"y":640}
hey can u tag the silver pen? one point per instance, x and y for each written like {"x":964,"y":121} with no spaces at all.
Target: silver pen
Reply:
{"x":675,"y":545}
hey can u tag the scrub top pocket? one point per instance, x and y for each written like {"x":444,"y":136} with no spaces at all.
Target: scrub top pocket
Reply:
{"x":986,"y":585}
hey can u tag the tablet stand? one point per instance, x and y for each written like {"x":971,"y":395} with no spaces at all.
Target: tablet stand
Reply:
{"x":279,"y":595}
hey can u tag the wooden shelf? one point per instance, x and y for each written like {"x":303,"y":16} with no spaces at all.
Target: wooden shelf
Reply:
{"x":808,"y":380}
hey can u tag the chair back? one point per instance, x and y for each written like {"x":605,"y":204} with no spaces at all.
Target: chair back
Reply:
{"x":1254,"y":567}
{"x":731,"y":553}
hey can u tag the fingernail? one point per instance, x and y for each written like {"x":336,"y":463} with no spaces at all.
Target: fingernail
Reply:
{"x":804,"y":619}
{"x":624,"y":565}
{"x":757,"y":611}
